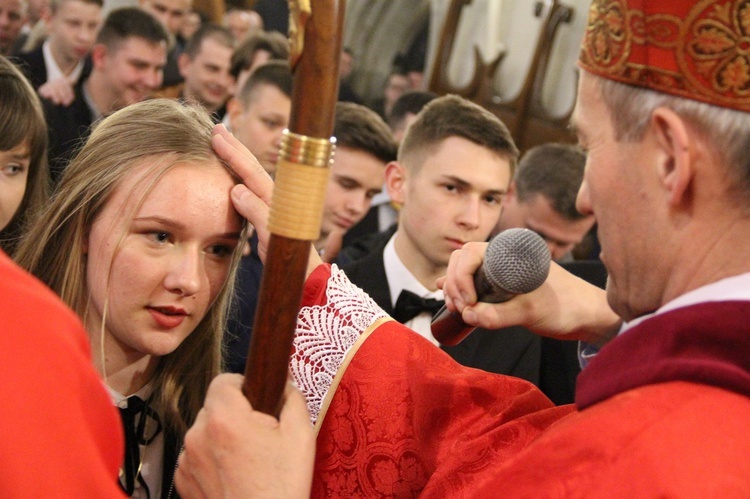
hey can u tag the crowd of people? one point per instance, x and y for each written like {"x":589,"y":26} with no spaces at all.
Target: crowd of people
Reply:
{"x":137,"y":160}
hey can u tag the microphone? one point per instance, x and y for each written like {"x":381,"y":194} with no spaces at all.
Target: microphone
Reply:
{"x":516,"y":262}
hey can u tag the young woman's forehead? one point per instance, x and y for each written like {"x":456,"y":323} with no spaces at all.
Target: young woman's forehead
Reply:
{"x":158,"y":181}
{"x":146,"y":175}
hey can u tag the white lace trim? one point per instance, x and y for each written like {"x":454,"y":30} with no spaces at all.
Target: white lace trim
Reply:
{"x":326,"y":333}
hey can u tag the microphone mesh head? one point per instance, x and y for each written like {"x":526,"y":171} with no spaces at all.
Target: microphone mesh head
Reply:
{"x":517,"y":261}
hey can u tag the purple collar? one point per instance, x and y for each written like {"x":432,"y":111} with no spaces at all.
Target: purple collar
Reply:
{"x":708,"y":343}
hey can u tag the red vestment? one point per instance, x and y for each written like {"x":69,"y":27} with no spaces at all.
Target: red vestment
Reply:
{"x":59,"y":433}
{"x":663,"y":411}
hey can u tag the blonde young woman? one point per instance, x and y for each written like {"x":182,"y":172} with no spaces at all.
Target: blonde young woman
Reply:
{"x":24,"y":178}
{"x":141,"y":240}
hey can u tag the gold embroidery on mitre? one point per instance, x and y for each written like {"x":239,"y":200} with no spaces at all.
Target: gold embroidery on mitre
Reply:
{"x":705,"y":56}
{"x":606,"y":41}
{"x":717,"y":53}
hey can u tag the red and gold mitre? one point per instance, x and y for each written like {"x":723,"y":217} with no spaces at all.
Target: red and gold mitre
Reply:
{"x":697,"y":49}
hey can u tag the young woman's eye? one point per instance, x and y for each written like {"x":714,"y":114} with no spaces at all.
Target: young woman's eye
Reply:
{"x":159,"y":237}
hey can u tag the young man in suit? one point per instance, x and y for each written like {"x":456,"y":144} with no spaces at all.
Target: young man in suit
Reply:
{"x":171,"y":14}
{"x":364,"y":146}
{"x":258,"y":115}
{"x":204,"y":66}
{"x":542,"y":198}
{"x":127,"y":62}
{"x":454,"y":167}
{"x":383,"y":215}
{"x":72,"y":27}
{"x":259,"y":112}
{"x":12,"y":19}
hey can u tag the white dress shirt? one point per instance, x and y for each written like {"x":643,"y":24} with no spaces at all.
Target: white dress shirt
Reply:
{"x":152,"y":455}
{"x":400,"y":278}
{"x":53,"y":70}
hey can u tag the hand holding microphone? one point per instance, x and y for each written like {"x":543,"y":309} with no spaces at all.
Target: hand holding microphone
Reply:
{"x":517,"y":261}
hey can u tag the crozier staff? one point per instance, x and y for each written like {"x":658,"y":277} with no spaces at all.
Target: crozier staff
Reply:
{"x":297,"y":206}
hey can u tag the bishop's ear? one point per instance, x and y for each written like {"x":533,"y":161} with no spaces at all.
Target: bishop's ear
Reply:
{"x":675,"y":153}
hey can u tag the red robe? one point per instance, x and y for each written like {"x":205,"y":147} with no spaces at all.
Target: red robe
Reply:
{"x":663,"y":411}
{"x":60,"y":436}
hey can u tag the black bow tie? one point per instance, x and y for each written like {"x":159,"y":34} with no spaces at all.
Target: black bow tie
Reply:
{"x":138,"y":431}
{"x":410,"y":305}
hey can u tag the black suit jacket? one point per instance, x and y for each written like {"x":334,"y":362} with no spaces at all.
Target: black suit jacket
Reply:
{"x":33,"y":66}
{"x":69,"y":127}
{"x":559,"y":363}
{"x":240,"y":321}
{"x":514,"y":351}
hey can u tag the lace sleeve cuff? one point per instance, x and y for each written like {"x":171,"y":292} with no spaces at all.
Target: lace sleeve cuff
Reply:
{"x":335,"y":318}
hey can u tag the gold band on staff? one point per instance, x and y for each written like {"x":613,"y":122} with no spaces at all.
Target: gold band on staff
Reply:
{"x":300,"y":186}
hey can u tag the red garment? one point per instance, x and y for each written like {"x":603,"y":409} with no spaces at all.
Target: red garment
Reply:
{"x":675,"y":439}
{"x":59,"y":433}
{"x":407,"y":418}
{"x":665,"y":412}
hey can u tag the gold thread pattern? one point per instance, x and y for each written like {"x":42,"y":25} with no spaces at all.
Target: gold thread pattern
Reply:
{"x":698,"y":49}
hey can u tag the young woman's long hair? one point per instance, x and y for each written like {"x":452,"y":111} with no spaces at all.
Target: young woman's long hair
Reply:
{"x":165,"y":133}
{"x":23,"y":121}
